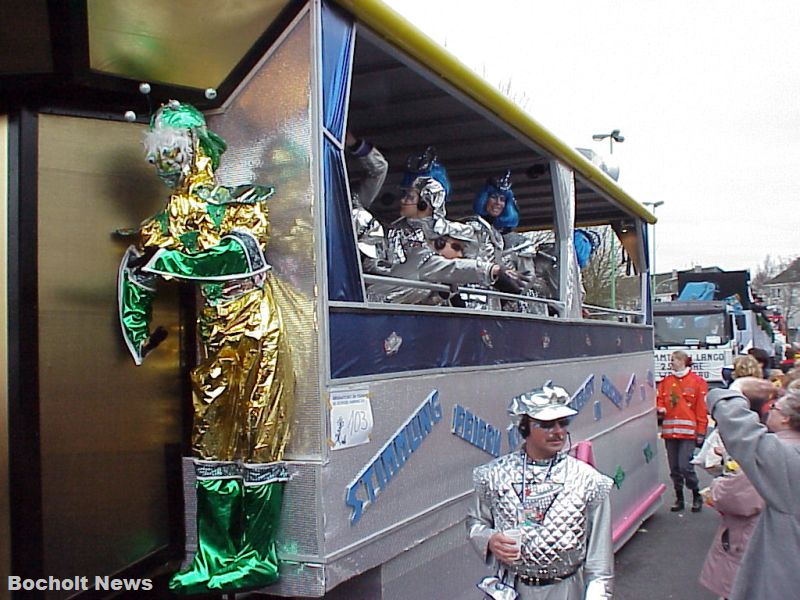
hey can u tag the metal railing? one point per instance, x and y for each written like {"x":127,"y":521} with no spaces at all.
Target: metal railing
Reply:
{"x":590,"y":310}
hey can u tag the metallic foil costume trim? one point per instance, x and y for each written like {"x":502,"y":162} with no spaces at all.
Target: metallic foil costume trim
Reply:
{"x":193,"y":222}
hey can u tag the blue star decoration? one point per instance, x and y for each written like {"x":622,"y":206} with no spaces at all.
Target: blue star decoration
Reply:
{"x":648,"y":452}
{"x":619,"y":477}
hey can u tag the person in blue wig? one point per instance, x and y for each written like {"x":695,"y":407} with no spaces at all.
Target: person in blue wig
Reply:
{"x":411,"y":238}
{"x":496,"y":213}
{"x":496,"y":203}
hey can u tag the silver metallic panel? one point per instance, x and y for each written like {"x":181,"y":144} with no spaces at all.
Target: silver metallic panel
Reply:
{"x":440,"y":469}
{"x":268,"y":129}
{"x":440,"y":567}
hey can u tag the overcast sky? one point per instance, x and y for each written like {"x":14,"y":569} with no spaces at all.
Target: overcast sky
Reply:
{"x":706,"y":93}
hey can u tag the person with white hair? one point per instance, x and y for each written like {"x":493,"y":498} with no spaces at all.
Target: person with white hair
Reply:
{"x":556,"y":507}
{"x":770,"y":457}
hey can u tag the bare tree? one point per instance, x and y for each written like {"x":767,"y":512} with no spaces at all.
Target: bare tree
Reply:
{"x":597,"y":274}
{"x":769,"y":269}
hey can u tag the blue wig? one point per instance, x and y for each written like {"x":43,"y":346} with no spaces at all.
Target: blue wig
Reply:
{"x":425,"y":165}
{"x":501,"y":186}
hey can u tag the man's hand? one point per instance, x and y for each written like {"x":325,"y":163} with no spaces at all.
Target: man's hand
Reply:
{"x":508,"y":281}
{"x":754,"y":389}
{"x":504,"y":548}
{"x":661,"y":410}
{"x":698,"y":441}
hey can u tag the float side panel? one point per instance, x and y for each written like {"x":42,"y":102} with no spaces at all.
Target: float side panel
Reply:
{"x":438,"y":474}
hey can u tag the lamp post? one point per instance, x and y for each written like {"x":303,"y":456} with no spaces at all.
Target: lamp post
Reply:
{"x":614,"y":136}
{"x":654,"y":206}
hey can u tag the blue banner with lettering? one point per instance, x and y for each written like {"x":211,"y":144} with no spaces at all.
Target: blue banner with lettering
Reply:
{"x":371,"y":342}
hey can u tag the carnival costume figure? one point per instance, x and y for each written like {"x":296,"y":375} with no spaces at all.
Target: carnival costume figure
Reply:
{"x":243,"y":388}
{"x":559,"y":506}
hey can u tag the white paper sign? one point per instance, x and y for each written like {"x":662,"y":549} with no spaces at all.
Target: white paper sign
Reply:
{"x":351,"y":418}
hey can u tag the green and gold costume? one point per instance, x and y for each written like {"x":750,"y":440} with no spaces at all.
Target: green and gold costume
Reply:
{"x":243,"y":386}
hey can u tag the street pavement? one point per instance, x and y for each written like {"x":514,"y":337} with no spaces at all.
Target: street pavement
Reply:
{"x":664,"y":558}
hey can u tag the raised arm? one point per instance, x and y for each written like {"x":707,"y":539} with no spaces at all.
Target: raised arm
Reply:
{"x":772,"y":466}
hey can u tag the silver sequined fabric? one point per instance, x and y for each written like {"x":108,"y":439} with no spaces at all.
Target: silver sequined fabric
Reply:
{"x":557,"y":547}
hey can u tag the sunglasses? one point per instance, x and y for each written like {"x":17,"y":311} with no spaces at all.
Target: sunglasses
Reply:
{"x":440,"y":243}
{"x":563,"y":423}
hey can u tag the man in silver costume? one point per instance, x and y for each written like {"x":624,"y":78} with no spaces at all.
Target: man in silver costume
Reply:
{"x":423,"y":220}
{"x":561,"y":506}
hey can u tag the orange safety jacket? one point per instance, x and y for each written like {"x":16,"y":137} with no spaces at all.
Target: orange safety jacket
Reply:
{"x":684,"y":399}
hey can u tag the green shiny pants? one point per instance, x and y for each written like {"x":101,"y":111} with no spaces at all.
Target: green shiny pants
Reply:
{"x":237,"y":520}
{"x":219,"y":506}
{"x":256,"y":563}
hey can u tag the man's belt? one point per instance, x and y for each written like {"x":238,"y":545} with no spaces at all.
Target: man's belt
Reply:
{"x":538,"y":581}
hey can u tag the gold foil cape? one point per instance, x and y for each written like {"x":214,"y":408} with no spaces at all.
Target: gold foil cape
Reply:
{"x":244,"y":387}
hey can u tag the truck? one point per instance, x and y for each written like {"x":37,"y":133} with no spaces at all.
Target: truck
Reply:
{"x":714,"y":320}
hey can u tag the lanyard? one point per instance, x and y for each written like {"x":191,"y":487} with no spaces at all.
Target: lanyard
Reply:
{"x":524,"y":455}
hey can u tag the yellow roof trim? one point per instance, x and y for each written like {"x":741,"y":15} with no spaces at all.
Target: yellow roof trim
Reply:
{"x":399,"y":32}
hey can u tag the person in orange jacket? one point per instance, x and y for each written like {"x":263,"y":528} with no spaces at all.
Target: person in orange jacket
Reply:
{"x":681,"y":402}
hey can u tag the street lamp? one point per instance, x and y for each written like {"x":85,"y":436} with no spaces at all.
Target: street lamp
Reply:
{"x":614,"y":136}
{"x":654,"y":206}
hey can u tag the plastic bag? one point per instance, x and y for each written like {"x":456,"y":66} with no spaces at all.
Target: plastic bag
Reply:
{"x":495,"y":589}
{"x":708,"y":457}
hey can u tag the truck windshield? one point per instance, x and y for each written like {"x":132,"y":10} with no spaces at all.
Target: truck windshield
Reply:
{"x":691,"y":330}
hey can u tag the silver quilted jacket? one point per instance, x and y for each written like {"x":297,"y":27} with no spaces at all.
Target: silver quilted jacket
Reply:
{"x":575,"y":534}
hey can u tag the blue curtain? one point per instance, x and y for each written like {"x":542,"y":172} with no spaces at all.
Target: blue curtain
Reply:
{"x":337,"y":30}
{"x":343,"y":279}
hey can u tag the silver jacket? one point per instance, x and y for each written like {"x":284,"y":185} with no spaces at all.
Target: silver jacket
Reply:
{"x":376,"y":169}
{"x":575,"y":534}
{"x":411,"y":257}
{"x":490,"y":241}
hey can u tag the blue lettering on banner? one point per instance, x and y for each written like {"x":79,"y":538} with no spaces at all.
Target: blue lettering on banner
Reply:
{"x":583,"y":394}
{"x":598,"y":410}
{"x":630,"y":389}
{"x":476,"y":431}
{"x":392,"y":457}
{"x":611,"y":392}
